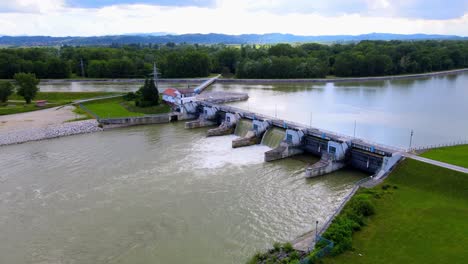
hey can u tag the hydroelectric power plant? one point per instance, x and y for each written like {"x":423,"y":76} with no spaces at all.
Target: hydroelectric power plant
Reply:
{"x":288,"y":139}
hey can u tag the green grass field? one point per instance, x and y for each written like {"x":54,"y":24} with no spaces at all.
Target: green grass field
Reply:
{"x":16,"y":103}
{"x":424,"y":220}
{"x":117,"y":107}
{"x":457,"y":155}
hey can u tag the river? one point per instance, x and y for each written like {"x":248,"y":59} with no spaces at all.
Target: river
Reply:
{"x":163,"y":194}
{"x":154,"y":194}
{"x":386,"y":112}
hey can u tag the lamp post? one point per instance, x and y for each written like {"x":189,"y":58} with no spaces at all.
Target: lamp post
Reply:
{"x":411,"y":139}
{"x":316,"y":231}
{"x":354,"y":128}
{"x":310,"y":120}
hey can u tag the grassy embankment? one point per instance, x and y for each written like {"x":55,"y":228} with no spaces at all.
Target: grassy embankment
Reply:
{"x":457,"y":155}
{"x":16,"y":103}
{"x":118,"y":107}
{"x":421,"y":218}
{"x":417,"y":215}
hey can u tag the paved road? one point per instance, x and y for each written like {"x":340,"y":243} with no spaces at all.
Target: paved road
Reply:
{"x":437,"y":163}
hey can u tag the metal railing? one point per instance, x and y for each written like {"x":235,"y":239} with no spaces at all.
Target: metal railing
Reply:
{"x":427,"y":147}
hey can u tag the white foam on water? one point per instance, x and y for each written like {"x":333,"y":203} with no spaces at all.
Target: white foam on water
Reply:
{"x":217,"y":152}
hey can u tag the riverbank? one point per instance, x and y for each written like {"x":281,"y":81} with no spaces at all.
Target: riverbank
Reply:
{"x":49,"y":132}
{"x":393,"y":221}
{"x":267,"y":81}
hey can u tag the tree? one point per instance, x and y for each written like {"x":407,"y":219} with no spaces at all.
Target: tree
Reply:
{"x":27,"y":85}
{"x":147,"y":95}
{"x":6,"y":89}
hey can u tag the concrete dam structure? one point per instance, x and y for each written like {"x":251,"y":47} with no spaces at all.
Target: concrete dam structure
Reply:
{"x":288,"y":139}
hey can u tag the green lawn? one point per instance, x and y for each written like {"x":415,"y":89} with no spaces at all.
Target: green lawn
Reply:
{"x":16,"y":103}
{"x":457,"y":155}
{"x":424,"y":220}
{"x":117,"y":107}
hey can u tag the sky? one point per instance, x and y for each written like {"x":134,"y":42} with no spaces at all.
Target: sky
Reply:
{"x":300,"y":17}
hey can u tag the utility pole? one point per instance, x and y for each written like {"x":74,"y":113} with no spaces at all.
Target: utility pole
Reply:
{"x":354,"y":128}
{"x":82,"y":68}
{"x":310,"y":121}
{"x":155,"y":76}
{"x":411,"y":139}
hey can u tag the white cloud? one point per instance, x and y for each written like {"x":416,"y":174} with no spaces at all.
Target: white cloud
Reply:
{"x":31,"y":6}
{"x":227,"y":17}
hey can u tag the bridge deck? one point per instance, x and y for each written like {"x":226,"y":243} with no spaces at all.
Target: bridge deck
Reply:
{"x":199,"y":89}
{"x":311,"y":131}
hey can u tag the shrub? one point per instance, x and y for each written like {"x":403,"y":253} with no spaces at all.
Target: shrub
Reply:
{"x":130,"y":96}
{"x":6,"y":89}
{"x":276,"y":247}
{"x":288,"y":247}
{"x":351,"y":219}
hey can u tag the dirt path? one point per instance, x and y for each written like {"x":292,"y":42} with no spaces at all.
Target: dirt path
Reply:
{"x":36,"y":119}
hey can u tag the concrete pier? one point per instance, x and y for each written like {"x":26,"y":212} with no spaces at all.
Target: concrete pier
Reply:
{"x":254,"y":136}
{"x":284,"y":150}
{"x":249,"y":140}
{"x":324,"y":166}
{"x":200,"y":122}
{"x":222,"y":130}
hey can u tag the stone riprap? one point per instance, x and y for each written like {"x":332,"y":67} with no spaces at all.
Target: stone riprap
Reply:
{"x":54,"y":131}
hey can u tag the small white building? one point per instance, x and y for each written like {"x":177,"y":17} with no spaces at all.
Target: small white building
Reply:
{"x":171,"y":96}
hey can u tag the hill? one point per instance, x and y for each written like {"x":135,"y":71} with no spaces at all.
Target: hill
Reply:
{"x":208,"y":39}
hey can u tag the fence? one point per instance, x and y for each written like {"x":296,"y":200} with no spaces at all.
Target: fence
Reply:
{"x":455,"y":143}
{"x":89,"y":111}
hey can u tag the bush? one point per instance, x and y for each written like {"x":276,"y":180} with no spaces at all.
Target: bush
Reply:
{"x":276,"y":247}
{"x":6,"y":89}
{"x":288,"y":247}
{"x":351,"y":219}
{"x":129,"y":96}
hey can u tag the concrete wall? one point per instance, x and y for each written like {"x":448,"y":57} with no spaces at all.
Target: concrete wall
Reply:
{"x":231,"y":119}
{"x":340,"y":149}
{"x":315,"y":145}
{"x":294,"y":137}
{"x":259,"y":127}
{"x":365,"y":161}
{"x":134,"y":121}
{"x":209,"y":112}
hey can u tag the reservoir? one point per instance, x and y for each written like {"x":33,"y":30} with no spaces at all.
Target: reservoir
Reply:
{"x":434,"y":108}
{"x":164,"y":194}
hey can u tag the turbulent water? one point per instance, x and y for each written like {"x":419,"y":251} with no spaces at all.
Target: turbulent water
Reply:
{"x":154,"y":194}
{"x":242,"y":127}
{"x":273,"y":137}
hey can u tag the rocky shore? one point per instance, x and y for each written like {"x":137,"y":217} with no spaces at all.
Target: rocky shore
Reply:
{"x":54,"y":131}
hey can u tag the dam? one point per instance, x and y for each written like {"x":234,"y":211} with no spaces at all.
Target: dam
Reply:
{"x":288,"y":139}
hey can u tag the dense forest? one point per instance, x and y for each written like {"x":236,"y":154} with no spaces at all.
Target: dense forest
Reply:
{"x":366,"y":58}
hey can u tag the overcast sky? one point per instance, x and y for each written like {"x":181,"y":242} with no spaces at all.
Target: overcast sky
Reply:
{"x":302,"y":17}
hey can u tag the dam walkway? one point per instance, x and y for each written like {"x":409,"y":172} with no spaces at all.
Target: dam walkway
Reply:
{"x":436,"y":163}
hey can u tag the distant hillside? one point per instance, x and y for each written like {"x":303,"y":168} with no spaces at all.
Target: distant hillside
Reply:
{"x":207,"y":39}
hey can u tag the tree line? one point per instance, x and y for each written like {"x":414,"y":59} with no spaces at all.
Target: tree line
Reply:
{"x":310,"y":60}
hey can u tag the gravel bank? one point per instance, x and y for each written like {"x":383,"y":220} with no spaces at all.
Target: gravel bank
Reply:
{"x":53,"y":131}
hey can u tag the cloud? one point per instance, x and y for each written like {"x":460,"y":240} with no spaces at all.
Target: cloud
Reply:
{"x":103,"y":3}
{"x":426,"y":9}
{"x":30,"y":6}
{"x":54,"y":18}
